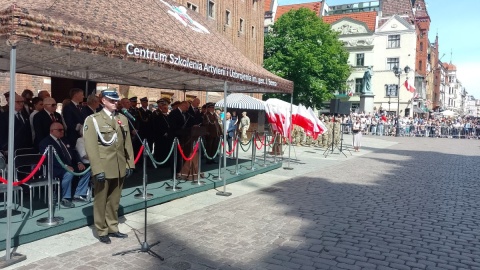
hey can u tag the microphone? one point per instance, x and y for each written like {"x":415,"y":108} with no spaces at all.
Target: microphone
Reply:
{"x":127,"y":114}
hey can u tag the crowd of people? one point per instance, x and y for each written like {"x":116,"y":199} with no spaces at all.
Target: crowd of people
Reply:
{"x":105,"y":133}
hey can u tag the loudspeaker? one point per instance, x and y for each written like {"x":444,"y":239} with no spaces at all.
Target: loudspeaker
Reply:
{"x":407,"y":112}
{"x":344,"y":107}
{"x":334,"y":105}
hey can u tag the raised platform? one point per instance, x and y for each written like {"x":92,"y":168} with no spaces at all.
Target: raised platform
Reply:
{"x":24,"y":228}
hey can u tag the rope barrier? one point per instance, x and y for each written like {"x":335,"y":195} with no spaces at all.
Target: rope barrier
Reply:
{"x":205,"y":150}
{"x":255,"y":143}
{"x":29,"y":176}
{"x":166,"y":159}
{"x":191,"y":156}
{"x":137,"y":158}
{"x":233,"y":148}
{"x":249,"y":145}
{"x":67,"y":169}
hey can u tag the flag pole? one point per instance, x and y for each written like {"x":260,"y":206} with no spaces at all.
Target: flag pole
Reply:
{"x":289,"y":134}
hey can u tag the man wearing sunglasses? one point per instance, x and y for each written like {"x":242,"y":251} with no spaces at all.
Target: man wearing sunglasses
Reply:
{"x":109,"y":147}
{"x":43,"y":119}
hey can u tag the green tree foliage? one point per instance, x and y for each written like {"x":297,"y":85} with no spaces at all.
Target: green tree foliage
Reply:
{"x":302,"y":48}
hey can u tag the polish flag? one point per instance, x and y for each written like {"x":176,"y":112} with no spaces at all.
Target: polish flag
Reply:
{"x":319,"y":127}
{"x":304,"y":120}
{"x":409,"y":87}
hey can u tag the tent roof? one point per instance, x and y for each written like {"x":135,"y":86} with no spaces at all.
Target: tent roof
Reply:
{"x":151,"y":43}
{"x":241,"y":101}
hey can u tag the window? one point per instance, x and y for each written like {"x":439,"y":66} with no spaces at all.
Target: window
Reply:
{"x":265,"y":30}
{"x":211,"y":9}
{"x":360,"y":59}
{"x":358,"y":85}
{"x":421,"y":46}
{"x":254,"y":4}
{"x":391,"y":62}
{"x":420,"y":64}
{"x":394,"y":41}
{"x":227,"y":17}
{"x":192,"y":6}
{"x":254,"y":34}
{"x":391,"y":90}
{"x":240,"y":29}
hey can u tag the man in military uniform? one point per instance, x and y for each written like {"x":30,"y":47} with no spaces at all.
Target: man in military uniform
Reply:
{"x":109,"y":147}
{"x":210,"y":121}
{"x":144,"y":125}
{"x":162,"y":134}
{"x":337,"y":128}
{"x":244,"y":126}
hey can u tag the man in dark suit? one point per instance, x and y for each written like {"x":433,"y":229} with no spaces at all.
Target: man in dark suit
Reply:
{"x":195,"y":112}
{"x":70,"y":159}
{"x":210,"y":121}
{"x":22,"y":130}
{"x":179,"y":119}
{"x":43,"y":119}
{"x":144,"y":125}
{"x":93,"y":105}
{"x":162,"y":134}
{"x":230,"y":130}
{"x":73,"y":116}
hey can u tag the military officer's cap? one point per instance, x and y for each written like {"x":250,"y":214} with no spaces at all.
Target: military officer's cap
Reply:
{"x":6,"y":94}
{"x":111,"y":94}
{"x":163,"y":101}
{"x":144,"y":99}
{"x":210,"y":105}
{"x":133,"y":99}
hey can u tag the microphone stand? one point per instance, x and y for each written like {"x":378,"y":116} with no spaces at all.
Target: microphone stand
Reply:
{"x":144,"y":246}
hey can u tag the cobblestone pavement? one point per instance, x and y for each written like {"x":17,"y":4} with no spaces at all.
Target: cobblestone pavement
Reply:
{"x":414,"y":205}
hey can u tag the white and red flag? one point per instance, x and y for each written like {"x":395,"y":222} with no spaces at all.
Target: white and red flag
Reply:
{"x":409,"y":87}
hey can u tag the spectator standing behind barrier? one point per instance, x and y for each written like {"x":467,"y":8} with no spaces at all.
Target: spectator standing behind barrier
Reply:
{"x":73,"y":116}
{"x":22,"y":130}
{"x":70,"y":159}
{"x":357,"y":135}
{"x":244,"y":126}
{"x":230,"y":131}
{"x":109,"y":147}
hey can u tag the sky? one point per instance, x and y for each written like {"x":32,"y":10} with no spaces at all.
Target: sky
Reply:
{"x":456,"y":23}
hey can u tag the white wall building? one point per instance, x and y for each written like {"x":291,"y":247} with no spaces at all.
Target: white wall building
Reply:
{"x":394,"y":45}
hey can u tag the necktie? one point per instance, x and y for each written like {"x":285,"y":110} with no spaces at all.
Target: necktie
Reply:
{"x":53,"y":117}
{"x":65,"y":152}
{"x":79,"y":107}
{"x":19,"y":116}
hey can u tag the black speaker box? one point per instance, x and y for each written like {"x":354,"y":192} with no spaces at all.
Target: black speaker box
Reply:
{"x":344,"y":107}
{"x":334,"y":105}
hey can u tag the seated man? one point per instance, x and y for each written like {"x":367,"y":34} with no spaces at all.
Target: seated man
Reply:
{"x":68,"y":157}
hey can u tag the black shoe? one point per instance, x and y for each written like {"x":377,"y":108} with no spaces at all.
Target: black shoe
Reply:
{"x":67,"y":204}
{"x":118,"y":235}
{"x":104,"y":239}
{"x":81,"y":199}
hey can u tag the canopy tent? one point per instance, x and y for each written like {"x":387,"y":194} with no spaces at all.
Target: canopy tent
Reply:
{"x":150,"y":43}
{"x":162,"y":46}
{"x":418,"y":110}
{"x":449,"y":113}
{"x":242,"y":101}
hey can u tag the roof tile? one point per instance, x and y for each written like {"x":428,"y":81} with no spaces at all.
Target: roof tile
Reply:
{"x":313,"y":6}
{"x":369,"y":18}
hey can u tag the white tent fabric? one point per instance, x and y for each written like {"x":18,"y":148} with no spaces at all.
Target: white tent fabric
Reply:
{"x":242,"y":101}
{"x":448,"y":113}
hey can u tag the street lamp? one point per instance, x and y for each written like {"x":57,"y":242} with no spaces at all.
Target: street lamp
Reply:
{"x":397,"y":71}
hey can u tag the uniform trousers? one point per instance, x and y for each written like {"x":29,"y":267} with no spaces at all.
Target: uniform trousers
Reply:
{"x":106,"y":204}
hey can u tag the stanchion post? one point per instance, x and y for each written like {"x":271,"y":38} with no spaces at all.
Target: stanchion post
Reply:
{"x":254,"y":147}
{"x":50,"y":220}
{"x":144,"y":195}
{"x":274,"y":149}
{"x":219,"y":177}
{"x":174,"y":187}
{"x":265,"y":149}
{"x":236,"y":157}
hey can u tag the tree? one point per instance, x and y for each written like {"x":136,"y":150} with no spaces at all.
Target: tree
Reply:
{"x":302,"y":48}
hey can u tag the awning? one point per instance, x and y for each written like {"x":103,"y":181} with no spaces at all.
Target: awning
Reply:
{"x":417,"y":110}
{"x":150,"y":43}
{"x":241,"y":101}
